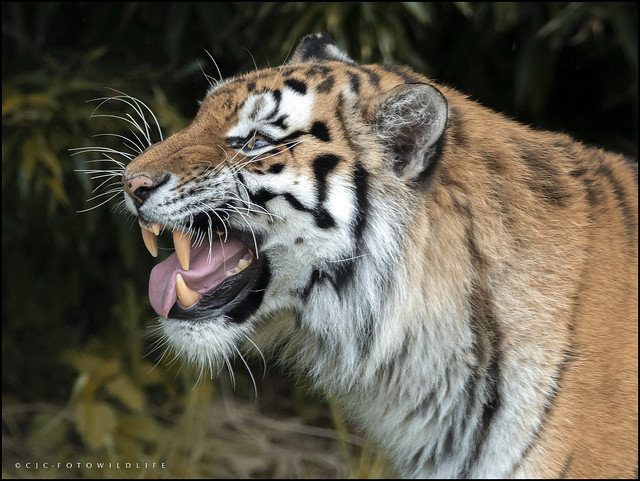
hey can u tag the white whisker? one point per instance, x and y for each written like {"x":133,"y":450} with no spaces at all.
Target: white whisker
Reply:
{"x":255,"y":387}
{"x":264,"y":362}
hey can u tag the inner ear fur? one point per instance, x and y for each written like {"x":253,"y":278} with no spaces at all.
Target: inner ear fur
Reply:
{"x":410,"y":120}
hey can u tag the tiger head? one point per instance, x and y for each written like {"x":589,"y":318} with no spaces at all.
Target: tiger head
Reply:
{"x":286,"y":193}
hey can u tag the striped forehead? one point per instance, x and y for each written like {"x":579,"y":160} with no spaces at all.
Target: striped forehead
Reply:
{"x":275,"y":112}
{"x":281,"y":100}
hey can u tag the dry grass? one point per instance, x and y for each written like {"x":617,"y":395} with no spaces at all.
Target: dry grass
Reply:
{"x":217,"y":434}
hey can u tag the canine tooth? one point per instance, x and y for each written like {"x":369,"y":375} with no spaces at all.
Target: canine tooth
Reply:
{"x":150,"y":240}
{"x":182,"y":244}
{"x":187,"y":296}
{"x":243,"y":264}
{"x":144,"y":227}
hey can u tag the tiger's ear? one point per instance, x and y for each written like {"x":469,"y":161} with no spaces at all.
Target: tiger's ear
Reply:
{"x":318,"y":47}
{"x":410,"y":120}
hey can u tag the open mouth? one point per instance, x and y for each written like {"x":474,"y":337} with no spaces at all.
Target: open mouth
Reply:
{"x":215,"y":276}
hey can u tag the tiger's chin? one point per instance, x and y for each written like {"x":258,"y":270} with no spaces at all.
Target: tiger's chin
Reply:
{"x":205,"y":343}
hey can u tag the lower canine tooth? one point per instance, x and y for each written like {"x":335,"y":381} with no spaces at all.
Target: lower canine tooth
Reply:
{"x":182,"y":243}
{"x":243,"y":264}
{"x":150,"y":240}
{"x":187,"y":296}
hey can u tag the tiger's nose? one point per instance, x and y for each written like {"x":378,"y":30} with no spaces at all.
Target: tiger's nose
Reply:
{"x":139,"y":187}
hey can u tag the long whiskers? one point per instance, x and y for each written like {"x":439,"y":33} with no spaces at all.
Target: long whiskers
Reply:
{"x":140,"y":138}
{"x":255,"y":387}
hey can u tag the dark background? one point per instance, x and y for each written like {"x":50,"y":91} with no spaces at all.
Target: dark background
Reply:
{"x":77,"y":382}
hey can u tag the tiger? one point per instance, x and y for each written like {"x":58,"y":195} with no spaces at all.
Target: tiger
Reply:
{"x":462,"y":284}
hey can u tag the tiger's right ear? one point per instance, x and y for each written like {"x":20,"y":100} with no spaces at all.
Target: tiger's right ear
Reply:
{"x":410,"y":121}
{"x":318,"y":47}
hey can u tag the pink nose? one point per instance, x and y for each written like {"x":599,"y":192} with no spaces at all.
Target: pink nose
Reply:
{"x":138,"y":187}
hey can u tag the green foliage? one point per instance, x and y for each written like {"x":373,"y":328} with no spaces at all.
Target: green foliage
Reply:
{"x":77,"y":373}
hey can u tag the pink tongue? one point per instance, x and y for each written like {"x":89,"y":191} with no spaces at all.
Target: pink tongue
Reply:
{"x":207,"y":268}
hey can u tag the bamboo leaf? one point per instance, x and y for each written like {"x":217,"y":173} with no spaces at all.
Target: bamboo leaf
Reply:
{"x":96,"y":422}
{"x":141,"y":427}
{"x":124,"y":390}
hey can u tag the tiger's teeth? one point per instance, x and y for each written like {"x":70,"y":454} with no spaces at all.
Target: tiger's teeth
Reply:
{"x":243,"y":264}
{"x":182,"y":243}
{"x":150,"y":240}
{"x":232,"y":272}
{"x":186,"y":296}
{"x":155,"y":228}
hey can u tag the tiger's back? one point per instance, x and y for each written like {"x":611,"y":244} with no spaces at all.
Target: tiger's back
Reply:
{"x":466,"y":286}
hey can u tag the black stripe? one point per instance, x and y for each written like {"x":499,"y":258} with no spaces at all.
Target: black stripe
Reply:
{"x":344,"y":126}
{"x":293,"y":202}
{"x":320,"y":131}
{"x":361,"y":182}
{"x":354,"y":80}
{"x":565,"y":469}
{"x":315,"y":277}
{"x":318,"y":70}
{"x":366,"y":337}
{"x":292,"y":136}
{"x":276,"y":108}
{"x":326,"y":85}
{"x":629,"y":219}
{"x":322,"y":166}
{"x":487,"y":347}
{"x":405,"y":73}
{"x":296,"y":85}
{"x":287,"y":71}
{"x":262,"y":196}
{"x":323,"y":219}
{"x":280,"y":122}
{"x":546,"y":180}
{"x":373,"y":77}
{"x":456,"y":128}
{"x":342,"y":274}
{"x":275,"y":169}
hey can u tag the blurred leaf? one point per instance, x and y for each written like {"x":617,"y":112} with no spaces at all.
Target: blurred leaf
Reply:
{"x":124,"y":390}
{"x":148,"y":374}
{"x":57,"y":190}
{"x":96,"y":422}
{"x":421,"y":11}
{"x":47,"y":430}
{"x":141,"y":427}
{"x":86,"y":363}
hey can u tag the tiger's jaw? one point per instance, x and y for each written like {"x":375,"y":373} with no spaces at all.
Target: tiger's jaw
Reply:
{"x":211,"y":275}
{"x":207,"y":292}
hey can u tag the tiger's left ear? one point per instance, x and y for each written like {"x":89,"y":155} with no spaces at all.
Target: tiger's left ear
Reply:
{"x":410,"y":120}
{"x":318,"y":47}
